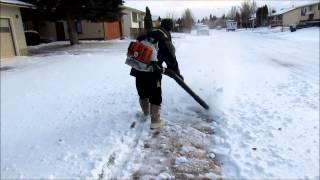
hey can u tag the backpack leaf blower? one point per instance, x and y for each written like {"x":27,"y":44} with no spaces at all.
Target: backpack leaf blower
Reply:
{"x":174,"y":76}
{"x":139,"y":57}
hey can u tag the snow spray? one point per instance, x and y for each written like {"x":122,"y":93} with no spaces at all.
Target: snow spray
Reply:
{"x":174,"y":76}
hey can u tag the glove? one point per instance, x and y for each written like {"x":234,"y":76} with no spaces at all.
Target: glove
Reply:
{"x":156,"y":68}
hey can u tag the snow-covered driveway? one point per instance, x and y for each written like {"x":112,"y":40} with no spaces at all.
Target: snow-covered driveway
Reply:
{"x":66,"y":111}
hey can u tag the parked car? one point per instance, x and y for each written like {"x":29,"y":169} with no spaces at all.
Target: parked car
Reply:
{"x":218,"y":28}
{"x":231,"y":25}
{"x":203,"y":30}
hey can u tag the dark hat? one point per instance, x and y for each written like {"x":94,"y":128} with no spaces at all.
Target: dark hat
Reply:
{"x":167,"y":24}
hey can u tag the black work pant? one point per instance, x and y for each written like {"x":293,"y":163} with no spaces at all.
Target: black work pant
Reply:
{"x":149,"y":87}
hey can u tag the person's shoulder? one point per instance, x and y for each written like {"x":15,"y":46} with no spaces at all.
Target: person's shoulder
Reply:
{"x":160,"y":32}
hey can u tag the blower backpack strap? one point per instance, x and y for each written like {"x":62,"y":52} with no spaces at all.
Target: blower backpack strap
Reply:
{"x":164,"y":34}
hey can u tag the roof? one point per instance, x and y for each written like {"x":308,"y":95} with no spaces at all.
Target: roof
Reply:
{"x":133,"y":9}
{"x":16,"y":3}
{"x":283,"y":11}
{"x":308,"y":4}
{"x":253,"y":17}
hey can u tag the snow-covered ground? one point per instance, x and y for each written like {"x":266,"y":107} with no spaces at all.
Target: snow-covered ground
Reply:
{"x":66,"y":111}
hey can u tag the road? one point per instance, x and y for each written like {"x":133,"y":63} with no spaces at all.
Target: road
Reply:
{"x":67,"y":111}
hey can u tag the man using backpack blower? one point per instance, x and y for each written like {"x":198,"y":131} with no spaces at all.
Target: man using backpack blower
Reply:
{"x":148,"y":83}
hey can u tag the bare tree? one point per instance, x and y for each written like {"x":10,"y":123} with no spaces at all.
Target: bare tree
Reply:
{"x":232,"y":13}
{"x":247,"y":10}
{"x":171,"y":15}
{"x":187,"y":20}
{"x":253,"y":7}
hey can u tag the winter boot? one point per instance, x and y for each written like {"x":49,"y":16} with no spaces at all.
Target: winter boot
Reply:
{"x":145,"y":106}
{"x":155,"y":117}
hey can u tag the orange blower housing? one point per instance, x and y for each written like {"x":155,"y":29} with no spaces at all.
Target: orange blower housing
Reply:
{"x":140,"y":52}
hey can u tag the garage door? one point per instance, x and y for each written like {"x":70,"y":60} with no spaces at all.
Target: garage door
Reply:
{"x":112,"y":30}
{"x":6,"y":39}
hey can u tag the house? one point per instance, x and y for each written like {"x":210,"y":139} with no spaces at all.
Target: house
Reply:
{"x":130,"y":25}
{"x":87,"y":30}
{"x":132,"y":22}
{"x":231,"y":25}
{"x":12,"y":38}
{"x":276,"y":19}
{"x":301,"y":15}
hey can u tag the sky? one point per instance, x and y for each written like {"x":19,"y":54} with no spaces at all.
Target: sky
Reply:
{"x":202,"y":8}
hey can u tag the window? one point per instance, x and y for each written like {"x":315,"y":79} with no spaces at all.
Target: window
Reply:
{"x":134,"y":17}
{"x":4,"y":29}
{"x":303,"y":11}
{"x":319,"y":6}
{"x":279,"y":17}
{"x":4,"y":25}
{"x":310,"y":8}
{"x":78,"y":25}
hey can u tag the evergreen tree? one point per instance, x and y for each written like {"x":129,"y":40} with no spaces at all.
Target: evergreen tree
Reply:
{"x":259,"y":16}
{"x":262,"y":15}
{"x":214,"y":18}
{"x":211,"y":20}
{"x":148,"y":20}
{"x":73,"y":11}
{"x":179,"y":22}
{"x":245,"y":11}
{"x":265,"y":15}
{"x":238,"y":19}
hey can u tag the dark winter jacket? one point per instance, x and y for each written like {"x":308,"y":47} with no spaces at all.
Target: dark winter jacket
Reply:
{"x":166,"y":52}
